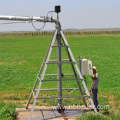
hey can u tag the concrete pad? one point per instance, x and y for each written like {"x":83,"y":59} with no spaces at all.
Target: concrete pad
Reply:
{"x":48,"y":113}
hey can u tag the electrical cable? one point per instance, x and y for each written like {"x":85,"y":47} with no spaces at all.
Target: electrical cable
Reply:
{"x":44,"y":22}
{"x":50,"y":12}
{"x":37,"y":28}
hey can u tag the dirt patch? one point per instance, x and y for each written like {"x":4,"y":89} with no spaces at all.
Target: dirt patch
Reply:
{"x":1,"y":63}
{"x":15,"y":101}
{"x":108,"y":96}
{"x":112,"y":102}
{"x":2,"y":96}
{"x":14,"y":96}
{"x":22,"y":62}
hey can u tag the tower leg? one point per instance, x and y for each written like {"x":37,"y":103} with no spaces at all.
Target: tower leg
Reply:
{"x":41,"y":68}
{"x":42,"y":76}
{"x":76,"y":76}
{"x":78,"y":71}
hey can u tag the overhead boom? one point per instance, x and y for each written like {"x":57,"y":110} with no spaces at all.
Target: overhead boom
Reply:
{"x":27,"y":18}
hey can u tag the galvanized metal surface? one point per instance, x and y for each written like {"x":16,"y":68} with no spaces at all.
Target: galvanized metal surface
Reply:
{"x":59,"y":72}
{"x":59,"y":98}
{"x":59,"y":62}
{"x":54,"y":89}
{"x":60,"y":46}
{"x":27,"y":18}
{"x":60,"y":80}
{"x":56,"y":74}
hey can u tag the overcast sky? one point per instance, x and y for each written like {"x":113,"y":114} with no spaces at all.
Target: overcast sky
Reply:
{"x":80,"y":14}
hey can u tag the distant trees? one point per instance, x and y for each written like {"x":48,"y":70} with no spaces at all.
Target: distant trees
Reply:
{"x":67,"y":33}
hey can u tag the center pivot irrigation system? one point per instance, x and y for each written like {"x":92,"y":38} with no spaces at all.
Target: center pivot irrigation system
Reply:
{"x":61,"y":42}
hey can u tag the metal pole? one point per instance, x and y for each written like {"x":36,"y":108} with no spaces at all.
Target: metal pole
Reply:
{"x":59,"y":77}
{"x":59,"y":83}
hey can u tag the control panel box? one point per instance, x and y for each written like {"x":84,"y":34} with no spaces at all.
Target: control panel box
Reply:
{"x":86,"y":67}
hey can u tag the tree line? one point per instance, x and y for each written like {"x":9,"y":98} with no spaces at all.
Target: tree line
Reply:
{"x":67,"y":33}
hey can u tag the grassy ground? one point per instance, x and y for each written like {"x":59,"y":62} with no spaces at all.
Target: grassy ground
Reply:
{"x":21,"y":58}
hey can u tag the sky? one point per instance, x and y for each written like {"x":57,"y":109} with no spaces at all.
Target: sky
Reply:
{"x":79,"y":14}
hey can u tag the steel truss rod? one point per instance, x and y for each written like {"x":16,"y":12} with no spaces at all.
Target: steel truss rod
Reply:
{"x":59,"y":62}
{"x":56,"y":75}
{"x":60,"y":80}
{"x":54,"y":89}
{"x":60,"y":46}
{"x":65,"y":97}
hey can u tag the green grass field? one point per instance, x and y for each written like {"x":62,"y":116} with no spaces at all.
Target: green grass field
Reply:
{"x":21,"y":58}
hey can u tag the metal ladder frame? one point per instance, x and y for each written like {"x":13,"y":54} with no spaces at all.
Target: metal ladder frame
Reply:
{"x":43,"y":68}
